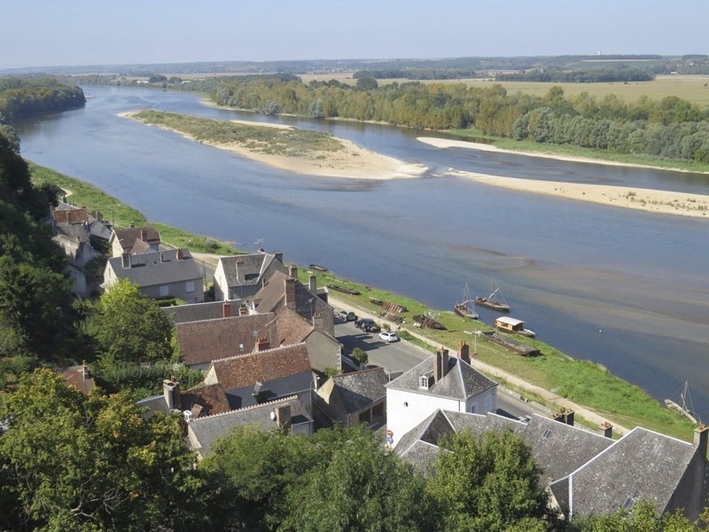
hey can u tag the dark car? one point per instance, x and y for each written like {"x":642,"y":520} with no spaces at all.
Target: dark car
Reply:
{"x":367,"y":325}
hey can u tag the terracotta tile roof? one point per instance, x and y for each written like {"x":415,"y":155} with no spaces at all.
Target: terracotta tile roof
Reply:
{"x":80,"y":378}
{"x":209,"y":399}
{"x":265,"y":366}
{"x":128,"y":237}
{"x":70,"y":215}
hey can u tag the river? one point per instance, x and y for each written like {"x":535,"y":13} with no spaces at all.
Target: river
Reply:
{"x":623,"y":288}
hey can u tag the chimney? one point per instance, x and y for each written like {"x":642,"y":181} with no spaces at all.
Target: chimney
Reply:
{"x":262,"y":344}
{"x":85,"y":373}
{"x":243,"y":310}
{"x":290,"y":293}
{"x":293,"y":271}
{"x":143,"y":234}
{"x":313,"y":283}
{"x":564,"y":416}
{"x":162,"y":256}
{"x":171,"y":391}
{"x":606,"y":429}
{"x":441,"y":364}
{"x":240,"y":270}
{"x":700,"y":439}
{"x":125,"y":260}
{"x":464,"y":351}
{"x":179,"y":254}
{"x":226,"y":309}
{"x":283,"y":417}
{"x":569,"y":418}
{"x":318,"y":322}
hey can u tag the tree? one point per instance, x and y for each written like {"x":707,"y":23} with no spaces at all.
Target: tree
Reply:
{"x":360,"y":356}
{"x":489,"y":483}
{"x":130,"y":327}
{"x":73,"y":462}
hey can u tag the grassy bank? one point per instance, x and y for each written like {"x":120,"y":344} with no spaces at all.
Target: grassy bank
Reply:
{"x":583,"y":382}
{"x":289,"y":142}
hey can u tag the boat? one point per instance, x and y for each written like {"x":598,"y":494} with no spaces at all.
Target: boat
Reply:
{"x":508,"y":324}
{"x":495,"y":300}
{"x":466,"y":307}
{"x":318,"y":268}
{"x":685,"y":408}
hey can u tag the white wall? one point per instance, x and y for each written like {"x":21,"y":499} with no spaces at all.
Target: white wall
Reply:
{"x":407,"y":409}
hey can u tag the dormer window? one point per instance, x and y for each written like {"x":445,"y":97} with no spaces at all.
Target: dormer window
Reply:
{"x":423,"y":382}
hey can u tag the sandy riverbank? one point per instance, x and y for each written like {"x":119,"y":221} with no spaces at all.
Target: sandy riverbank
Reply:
{"x":351,"y":161}
{"x":659,"y":201}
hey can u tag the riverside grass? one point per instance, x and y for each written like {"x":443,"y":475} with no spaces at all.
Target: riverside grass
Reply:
{"x":581,"y":381}
{"x":288,"y":142}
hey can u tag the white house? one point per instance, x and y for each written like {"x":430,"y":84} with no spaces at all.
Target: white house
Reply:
{"x":439,"y":382}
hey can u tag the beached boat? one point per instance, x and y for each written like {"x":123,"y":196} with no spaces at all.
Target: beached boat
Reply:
{"x":684,"y":407}
{"x":466,"y":306}
{"x":495,"y":300}
{"x":318,"y":268}
{"x":507,"y":324}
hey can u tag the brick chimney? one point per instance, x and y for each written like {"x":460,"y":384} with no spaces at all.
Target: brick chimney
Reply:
{"x":313,"y":283}
{"x":125,"y":260}
{"x":606,"y":429}
{"x":171,"y":391}
{"x":293,"y":271}
{"x":283,"y":417}
{"x":700,"y":439}
{"x":290,"y":293}
{"x":226,"y":309}
{"x":179,"y":254}
{"x":564,"y":416}
{"x":464,"y":351}
{"x":262,"y":344}
{"x":440,"y":364}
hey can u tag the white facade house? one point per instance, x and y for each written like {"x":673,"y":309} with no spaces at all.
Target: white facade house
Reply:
{"x":439,"y":382}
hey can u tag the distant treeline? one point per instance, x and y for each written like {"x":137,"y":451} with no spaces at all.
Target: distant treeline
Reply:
{"x":604,"y":75}
{"x":20,"y":97}
{"x":418,"y":74}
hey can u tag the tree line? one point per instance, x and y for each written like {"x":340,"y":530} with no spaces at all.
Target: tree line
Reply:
{"x":21,"y":97}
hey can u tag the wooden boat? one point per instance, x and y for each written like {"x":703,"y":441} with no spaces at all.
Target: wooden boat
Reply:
{"x":344,"y":289}
{"x":513,"y":325}
{"x":495,"y":300}
{"x":685,"y":408}
{"x":317,"y":268}
{"x":466,"y":307}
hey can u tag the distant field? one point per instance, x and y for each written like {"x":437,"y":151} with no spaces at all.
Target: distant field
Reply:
{"x":692,"y":88}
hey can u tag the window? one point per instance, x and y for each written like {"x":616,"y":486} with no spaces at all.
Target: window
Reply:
{"x":406,"y":403}
{"x":164,"y":290}
{"x":189,"y":286}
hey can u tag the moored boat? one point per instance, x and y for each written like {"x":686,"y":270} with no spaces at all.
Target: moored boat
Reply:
{"x":494,"y":301}
{"x":317,"y":268}
{"x":686,"y":407}
{"x":508,"y":324}
{"x":466,"y":307}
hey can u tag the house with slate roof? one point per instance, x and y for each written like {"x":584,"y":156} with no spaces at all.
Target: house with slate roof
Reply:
{"x":283,"y":414}
{"x":134,"y":240}
{"x":439,"y":382}
{"x":159,"y":274}
{"x":201,"y":342}
{"x":585,"y":472}
{"x":285,"y":290}
{"x":241,"y":276}
{"x":264,"y":376}
{"x":352,"y":398}
{"x":209,"y":310}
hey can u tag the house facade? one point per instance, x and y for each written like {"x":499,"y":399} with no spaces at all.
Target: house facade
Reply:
{"x":134,"y":240}
{"x":241,"y":276}
{"x":159,"y":274}
{"x":441,"y":382}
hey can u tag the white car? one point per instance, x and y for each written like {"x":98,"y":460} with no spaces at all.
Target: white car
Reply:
{"x":388,"y":336}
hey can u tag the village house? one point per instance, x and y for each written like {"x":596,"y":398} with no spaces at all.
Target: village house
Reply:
{"x":352,"y":398}
{"x":159,"y":274}
{"x":134,"y":240}
{"x":241,"y":276}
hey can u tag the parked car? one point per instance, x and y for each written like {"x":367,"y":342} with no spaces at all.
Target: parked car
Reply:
{"x":345,"y":315}
{"x":367,"y":325}
{"x":388,"y":336}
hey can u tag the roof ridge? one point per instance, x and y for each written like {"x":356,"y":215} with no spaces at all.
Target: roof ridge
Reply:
{"x":246,"y":408}
{"x":270,"y":350}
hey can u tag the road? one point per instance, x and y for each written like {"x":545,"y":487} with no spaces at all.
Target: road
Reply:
{"x":398,"y":357}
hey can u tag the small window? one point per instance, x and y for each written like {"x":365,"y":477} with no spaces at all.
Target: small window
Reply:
{"x":189,"y":286}
{"x":164,"y":290}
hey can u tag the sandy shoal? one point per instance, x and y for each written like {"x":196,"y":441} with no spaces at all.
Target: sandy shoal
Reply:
{"x":351,"y":161}
{"x":659,"y":201}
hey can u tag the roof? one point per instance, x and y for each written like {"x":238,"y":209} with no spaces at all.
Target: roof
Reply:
{"x":263,"y":367}
{"x":128,"y":237}
{"x":205,"y":400}
{"x":251,"y":266}
{"x":207,"y":430}
{"x":79,"y":377}
{"x":204,"y":341}
{"x":64,"y":214}
{"x":512,"y":322}
{"x":461,"y":381}
{"x":352,"y":392}
{"x":641,"y":465}
{"x":200,"y":311}
{"x":157,"y":268}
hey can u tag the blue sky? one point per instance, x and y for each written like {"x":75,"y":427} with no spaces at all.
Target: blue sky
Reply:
{"x":35,"y":33}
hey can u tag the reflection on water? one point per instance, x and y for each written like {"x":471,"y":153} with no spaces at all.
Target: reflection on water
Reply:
{"x":624,"y":288}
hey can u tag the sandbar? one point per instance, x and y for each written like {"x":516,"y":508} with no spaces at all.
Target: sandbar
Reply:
{"x":351,"y":161}
{"x":650,"y":200}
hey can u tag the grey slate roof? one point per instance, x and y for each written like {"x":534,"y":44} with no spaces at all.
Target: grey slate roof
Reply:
{"x":253,"y":267}
{"x":200,"y":311}
{"x":641,"y":465}
{"x":208,"y":429}
{"x":157,"y":268}
{"x":460,"y":382}
{"x":360,"y":388}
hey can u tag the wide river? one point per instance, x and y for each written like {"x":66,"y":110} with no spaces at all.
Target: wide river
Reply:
{"x":627,"y":289}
